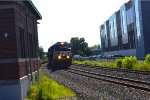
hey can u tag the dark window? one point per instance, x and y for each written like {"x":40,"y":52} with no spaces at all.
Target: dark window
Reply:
{"x":36,"y":45}
{"x":63,"y":48}
{"x":128,"y":5}
{"x":31,"y":45}
{"x":130,"y":27}
{"x":22,"y":42}
{"x":34,"y":49}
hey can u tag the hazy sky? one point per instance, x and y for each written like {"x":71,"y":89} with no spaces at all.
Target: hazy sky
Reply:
{"x":64,"y":19}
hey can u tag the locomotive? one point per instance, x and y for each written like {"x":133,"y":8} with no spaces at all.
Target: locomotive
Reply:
{"x":60,"y":55}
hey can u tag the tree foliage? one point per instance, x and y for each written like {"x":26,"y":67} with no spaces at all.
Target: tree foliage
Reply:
{"x":80,"y":47}
{"x":41,"y":52}
{"x":95,"y":46}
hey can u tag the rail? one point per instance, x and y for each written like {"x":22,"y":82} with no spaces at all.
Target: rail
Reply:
{"x":137,"y":84}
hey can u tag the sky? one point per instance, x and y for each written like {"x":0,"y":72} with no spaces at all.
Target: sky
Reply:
{"x":64,"y":19}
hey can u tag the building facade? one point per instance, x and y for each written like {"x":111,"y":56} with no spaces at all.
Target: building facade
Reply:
{"x":127,"y":31}
{"x":19,"y":58}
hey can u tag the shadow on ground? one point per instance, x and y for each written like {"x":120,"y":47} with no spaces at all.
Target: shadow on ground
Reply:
{"x":54,"y":68}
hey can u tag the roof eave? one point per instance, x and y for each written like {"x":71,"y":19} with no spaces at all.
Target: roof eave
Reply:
{"x":37,"y":13}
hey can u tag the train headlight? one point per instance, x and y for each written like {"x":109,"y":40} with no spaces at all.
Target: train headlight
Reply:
{"x":62,"y":43}
{"x":59,"y":57}
{"x":68,"y":57}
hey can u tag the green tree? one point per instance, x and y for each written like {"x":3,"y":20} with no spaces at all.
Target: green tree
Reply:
{"x":95,"y":46}
{"x":81,"y":53}
{"x":74,"y":45}
{"x":41,"y":52}
{"x":88,"y":51}
{"x":80,"y":47}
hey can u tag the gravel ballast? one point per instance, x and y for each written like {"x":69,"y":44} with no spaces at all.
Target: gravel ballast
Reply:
{"x":92,"y":89}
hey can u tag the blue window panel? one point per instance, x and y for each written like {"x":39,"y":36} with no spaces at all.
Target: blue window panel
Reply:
{"x":113,"y":30}
{"x":130,"y":18}
{"x":102,"y":36}
{"x":106,"y":34}
{"x":137,"y":14}
{"x":123,"y":16}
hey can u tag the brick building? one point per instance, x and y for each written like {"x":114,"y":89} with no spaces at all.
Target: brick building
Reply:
{"x":19,"y":59}
{"x":127,"y":31}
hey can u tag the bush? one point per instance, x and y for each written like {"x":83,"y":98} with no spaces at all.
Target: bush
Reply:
{"x":118,"y":63}
{"x":147,"y":59}
{"x":128,"y":62}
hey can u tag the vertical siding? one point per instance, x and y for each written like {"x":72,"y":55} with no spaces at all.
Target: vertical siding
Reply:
{"x":145,"y":8}
{"x":20,"y":15}
{"x":27,"y":20}
{"x":7,"y":25}
{"x":14,"y":68}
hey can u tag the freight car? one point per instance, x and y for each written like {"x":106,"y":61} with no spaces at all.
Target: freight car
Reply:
{"x":59,"y":55}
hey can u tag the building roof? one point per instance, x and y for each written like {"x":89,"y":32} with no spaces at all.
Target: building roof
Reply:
{"x":34,"y":9}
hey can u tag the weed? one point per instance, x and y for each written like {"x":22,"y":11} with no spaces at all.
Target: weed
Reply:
{"x":128,"y":62}
{"x":48,"y":89}
{"x":147,"y":59}
{"x":118,"y":63}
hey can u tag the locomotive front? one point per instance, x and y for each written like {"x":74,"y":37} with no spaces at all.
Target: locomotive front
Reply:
{"x":60,"y":54}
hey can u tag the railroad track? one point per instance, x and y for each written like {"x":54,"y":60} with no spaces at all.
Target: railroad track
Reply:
{"x":116,"y":69}
{"x":137,"y":84}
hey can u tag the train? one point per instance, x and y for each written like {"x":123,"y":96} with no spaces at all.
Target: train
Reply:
{"x":60,"y":55}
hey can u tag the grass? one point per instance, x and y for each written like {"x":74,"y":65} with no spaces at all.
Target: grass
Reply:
{"x":95,"y":63}
{"x":142,"y":66}
{"x":48,"y":90}
{"x":138,"y":66}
